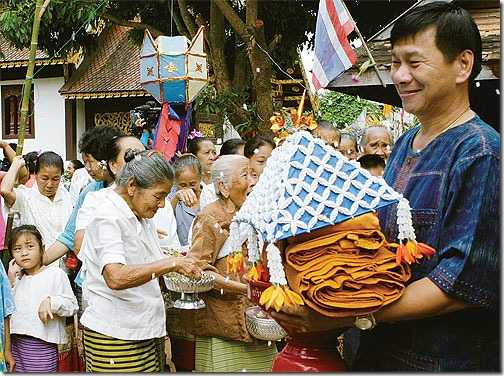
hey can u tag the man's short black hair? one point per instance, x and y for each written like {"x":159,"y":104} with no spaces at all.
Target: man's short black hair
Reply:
{"x":456,"y":30}
{"x":368,"y":161}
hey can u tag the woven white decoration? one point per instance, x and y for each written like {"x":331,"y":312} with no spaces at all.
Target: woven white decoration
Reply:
{"x":307,"y":185}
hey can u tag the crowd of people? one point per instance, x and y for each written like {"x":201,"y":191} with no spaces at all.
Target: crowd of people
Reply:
{"x":94,"y":240}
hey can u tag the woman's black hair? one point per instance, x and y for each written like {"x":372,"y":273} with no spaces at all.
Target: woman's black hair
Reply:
{"x":231,"y":146}
{"x":77,"y":164}
{"x":255,"y":143}
{"x":31,"y":161}
{"x":101,"y":142}
{"x":25,"y":229}
{"x":49,"y":159}
{"x":193,"y":144}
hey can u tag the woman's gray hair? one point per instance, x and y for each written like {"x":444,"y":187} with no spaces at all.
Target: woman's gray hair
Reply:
{"x":224,"y":168}
{"x":147,"y":168}
{"x":185,"y":161}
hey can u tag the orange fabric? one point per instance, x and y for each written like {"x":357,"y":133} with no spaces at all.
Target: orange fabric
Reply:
{"x":347,"y":273}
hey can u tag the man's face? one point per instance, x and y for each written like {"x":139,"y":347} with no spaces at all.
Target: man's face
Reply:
{"x":425,"y":81}
{"x":377,"y":142}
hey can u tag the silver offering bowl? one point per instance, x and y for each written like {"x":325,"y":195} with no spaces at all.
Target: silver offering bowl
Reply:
{"x":189,"y":289}
{"x":261,"y":326}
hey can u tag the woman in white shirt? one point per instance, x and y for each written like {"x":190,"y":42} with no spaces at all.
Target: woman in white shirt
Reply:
{"x":123,"y":260}
{"x":47,"y":205}
{"x":43,"y":297}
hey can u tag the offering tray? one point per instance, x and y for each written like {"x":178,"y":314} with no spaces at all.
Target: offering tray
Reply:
{"x":261,"y":326}
{"x":189,"y":289}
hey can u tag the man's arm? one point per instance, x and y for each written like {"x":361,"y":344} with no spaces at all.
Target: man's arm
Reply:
{"x":420,"y":299}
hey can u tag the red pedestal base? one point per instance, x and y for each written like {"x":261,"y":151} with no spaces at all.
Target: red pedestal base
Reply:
{"x":310,"y":352}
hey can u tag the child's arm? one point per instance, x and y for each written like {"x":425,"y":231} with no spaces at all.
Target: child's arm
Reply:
{"x":63,"y":302}
{"x":9,"y":359}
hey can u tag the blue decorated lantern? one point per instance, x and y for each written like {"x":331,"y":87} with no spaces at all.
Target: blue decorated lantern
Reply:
{"x":173,"y":69}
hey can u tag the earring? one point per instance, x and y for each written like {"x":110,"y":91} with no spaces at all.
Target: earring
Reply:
{"x":103,"y":164}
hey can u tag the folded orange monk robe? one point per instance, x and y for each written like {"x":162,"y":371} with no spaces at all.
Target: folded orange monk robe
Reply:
{"x":346,"y":272}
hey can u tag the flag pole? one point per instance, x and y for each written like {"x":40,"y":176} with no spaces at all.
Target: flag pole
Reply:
{"x":373,"y":63}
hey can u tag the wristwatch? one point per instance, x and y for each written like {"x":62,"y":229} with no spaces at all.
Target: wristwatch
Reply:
{"x":366,"y":322}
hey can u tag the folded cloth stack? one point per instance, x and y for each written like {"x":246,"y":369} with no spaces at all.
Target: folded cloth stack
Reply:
{"x":346,"y":270}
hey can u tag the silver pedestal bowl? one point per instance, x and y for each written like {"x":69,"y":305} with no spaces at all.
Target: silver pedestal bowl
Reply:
{"x":261,"y":326}
{"x":189,"y":289}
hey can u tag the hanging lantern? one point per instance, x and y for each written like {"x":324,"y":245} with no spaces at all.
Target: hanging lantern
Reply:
{"x":173,"y":69}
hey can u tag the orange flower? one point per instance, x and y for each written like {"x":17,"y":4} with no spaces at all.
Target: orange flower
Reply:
{"x":412,"y":252}
{"x":425,"y":250}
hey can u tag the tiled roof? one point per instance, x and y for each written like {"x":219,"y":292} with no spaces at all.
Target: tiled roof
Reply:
{"x":112,"y":70}
{"x":11,"y":57}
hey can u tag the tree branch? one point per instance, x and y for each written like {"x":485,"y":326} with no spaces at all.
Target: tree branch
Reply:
{"x":136,"y":25}
{"x":234,"y":20}
{"x":179,"y":23}
{"x":186,"y":16}
{"x":275,"y":42}
{"x":251,"y":12}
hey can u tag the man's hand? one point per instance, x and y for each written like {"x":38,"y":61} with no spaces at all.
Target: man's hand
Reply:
{"x":9,"y":359}
{"x":304,"y":319}
{"x":44,"y":311}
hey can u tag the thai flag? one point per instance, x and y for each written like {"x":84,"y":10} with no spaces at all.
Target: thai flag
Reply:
{"x":333,"y":53}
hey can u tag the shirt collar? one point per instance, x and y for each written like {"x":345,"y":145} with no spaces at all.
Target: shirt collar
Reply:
{"x":123,"y":208}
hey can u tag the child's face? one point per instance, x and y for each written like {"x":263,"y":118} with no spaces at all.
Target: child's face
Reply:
{"x":27,"y":253}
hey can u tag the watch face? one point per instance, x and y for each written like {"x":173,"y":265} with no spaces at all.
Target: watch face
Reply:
{"x":363,"y":323}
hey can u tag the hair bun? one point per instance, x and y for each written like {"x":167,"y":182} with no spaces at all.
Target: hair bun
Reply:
{"x":129,"y":155}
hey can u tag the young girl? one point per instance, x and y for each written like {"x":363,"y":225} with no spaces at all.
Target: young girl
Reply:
{"x":6,"y":309}
{"x":47,"y":205}
{"x":43,"y":298}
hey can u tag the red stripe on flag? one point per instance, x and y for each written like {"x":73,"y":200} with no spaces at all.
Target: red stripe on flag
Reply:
{"x":316,"y":82}
{"x":340,"y":32}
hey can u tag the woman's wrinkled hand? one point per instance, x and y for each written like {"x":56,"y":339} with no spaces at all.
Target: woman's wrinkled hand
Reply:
{"x":44,"y":312}
{"x":188,"y":266}
{"x":304,"y":319}
{"x":187,"y":196}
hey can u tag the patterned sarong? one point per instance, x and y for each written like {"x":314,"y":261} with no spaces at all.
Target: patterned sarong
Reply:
{"x":107,"y":354}
{"x":34,"y":355}
{"x":222,"y":355}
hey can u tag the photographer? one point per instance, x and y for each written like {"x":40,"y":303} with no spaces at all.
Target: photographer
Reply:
{"x":143,"y":121}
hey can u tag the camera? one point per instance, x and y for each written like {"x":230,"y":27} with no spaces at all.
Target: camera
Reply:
{"x":149,"y":113}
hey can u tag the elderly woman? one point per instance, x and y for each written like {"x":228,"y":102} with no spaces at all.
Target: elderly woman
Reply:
{"x":121,"y":252}
{"x":223,"y":343}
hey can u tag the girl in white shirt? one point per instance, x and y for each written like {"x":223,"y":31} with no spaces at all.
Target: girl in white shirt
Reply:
{"x":47,"y":205}
{"x":43,"y":297}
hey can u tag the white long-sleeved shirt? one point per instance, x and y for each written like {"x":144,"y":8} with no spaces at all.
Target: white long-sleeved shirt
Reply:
{"x":116,"y":236}
{"x":30,"y":291}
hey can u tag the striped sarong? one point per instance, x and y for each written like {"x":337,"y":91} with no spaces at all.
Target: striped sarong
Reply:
{"x":221,"y":355}
{"x":34,"y":355}
{"x":107,"y":354}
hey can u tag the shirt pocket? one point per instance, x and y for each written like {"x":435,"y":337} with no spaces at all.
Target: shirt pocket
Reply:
{"x":425,"y":223}
{"x":424,"y":190}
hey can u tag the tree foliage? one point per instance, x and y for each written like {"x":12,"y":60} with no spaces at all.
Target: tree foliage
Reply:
{"x":343,"y":109}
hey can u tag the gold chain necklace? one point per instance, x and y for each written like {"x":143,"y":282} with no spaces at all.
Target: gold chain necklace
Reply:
{"x":453,"y":124}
